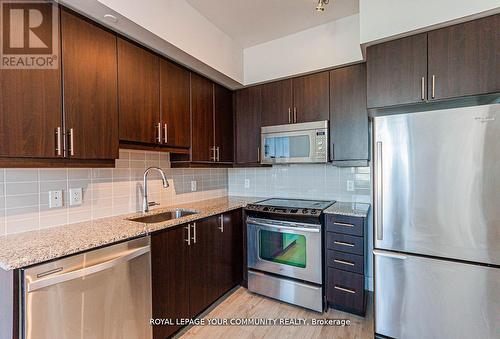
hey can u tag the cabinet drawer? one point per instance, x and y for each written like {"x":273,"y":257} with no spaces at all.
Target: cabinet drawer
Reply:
{"x":345,"y":243}
{"x":345,"y":261}
{"x":345,"y":224}
{"x":346,"y":291}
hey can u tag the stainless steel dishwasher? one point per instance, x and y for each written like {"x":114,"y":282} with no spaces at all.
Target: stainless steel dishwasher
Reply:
{"x":101,"y":294}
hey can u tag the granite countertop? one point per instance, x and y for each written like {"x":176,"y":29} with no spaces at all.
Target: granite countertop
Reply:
{"x":34,"y":247}
{"x":351,"y":209}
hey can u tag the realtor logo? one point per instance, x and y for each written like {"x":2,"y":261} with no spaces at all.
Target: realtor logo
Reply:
{"x":29,"y":34}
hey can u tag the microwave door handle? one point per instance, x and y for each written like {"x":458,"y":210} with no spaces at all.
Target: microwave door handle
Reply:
{"x":54,"y":280}
{"x":301,"y":229}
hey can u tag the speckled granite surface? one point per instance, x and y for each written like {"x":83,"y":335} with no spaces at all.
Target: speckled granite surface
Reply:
{"x":352,"y":209}
{"x":29,"y":248}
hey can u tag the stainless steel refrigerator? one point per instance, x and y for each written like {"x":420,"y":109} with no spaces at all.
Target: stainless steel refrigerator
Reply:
{"x":437,"y":224}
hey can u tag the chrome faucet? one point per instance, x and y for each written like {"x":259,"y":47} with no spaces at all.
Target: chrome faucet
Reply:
{"x":145,"y":203}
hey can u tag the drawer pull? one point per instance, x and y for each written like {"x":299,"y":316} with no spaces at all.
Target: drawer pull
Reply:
{"x":343,"y":224}
{"x":343,"y":243}
{"x":344,"y":289}
{"x":348,"y":263}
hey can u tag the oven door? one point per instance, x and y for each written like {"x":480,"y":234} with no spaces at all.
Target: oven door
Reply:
{"x":286,"y":248}
{"x":288,"y":147}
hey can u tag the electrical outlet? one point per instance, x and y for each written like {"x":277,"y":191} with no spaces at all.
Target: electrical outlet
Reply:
{"x":55,"y":199}
{"x":247,"y":183}
{"x":193,"y":186}
{"x":75,"y":196}
{"x":350,"y":186}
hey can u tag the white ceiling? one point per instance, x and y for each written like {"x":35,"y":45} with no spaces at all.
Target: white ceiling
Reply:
{"x":251,"y":22}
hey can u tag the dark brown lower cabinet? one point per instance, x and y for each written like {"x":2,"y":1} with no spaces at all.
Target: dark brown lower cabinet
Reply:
{"x":189,"y":276}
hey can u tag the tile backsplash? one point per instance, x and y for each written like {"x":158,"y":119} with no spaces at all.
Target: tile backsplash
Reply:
{"x":24,"y":193}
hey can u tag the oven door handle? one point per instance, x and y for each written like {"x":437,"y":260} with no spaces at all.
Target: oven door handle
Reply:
{"x":301,"y":229}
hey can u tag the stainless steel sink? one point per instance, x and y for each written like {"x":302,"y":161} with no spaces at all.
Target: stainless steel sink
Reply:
{"x":165,"y":216}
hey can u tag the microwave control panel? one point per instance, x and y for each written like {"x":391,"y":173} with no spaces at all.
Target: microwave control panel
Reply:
{"x":321,"y":145}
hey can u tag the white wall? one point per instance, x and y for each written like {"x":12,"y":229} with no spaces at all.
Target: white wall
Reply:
{"x":381,"y":19}
{"x":328,"y":45}
{"x":184,"y":27}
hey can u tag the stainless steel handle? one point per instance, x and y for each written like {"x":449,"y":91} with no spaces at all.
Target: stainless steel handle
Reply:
{"x":379,"y":186}
{"x":188,"y":240}
{"x":422,"y":90}
{"x":389,"y":255}
{"x":289,"y":228}
{"x":212,"y":154}
{"x":343,"y":224}
{"x":221,"y":227}
{"x":289,"y":115}
{"x":433,"y":86}
{"x":348,"y":263}
{"x":158,"y":131}
{"x":258,"y":154}
{"x":295,"y":115}
{"x":49,"y":281}
{"x":71,"y":146}
{"x":58,"y":141}
{"x":344,"y":289}
{"x":341,"y":243}
{"x":217,"y":149}
{"x":194,"y":233}
{"x":165,"y":134}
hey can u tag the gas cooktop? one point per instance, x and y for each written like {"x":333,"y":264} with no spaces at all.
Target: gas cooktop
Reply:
{"x":291,"y":206}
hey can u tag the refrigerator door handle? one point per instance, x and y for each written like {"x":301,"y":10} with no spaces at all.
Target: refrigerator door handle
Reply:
{"x":379,"y":195}
{"x":389,"y":255}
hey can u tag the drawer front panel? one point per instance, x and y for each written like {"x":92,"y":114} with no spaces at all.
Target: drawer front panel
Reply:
{"x":345,"y":224}
{"x":345,"y":290}
{"x":345,"y":261}
{"x":345,"y":243}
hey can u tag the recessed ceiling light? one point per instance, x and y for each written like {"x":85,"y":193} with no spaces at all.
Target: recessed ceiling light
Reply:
{"x":320,"y":7}
{"x":111,"y":17}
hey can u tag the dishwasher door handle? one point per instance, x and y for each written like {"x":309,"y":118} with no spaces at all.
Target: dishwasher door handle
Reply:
{"x":49,"y":281}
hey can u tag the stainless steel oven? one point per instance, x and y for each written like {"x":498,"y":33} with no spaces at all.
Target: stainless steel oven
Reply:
{"x":295,"y":143}
{"x":291,"y":249}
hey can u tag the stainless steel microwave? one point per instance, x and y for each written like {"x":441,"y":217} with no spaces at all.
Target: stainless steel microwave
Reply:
{"x":295,"y":143}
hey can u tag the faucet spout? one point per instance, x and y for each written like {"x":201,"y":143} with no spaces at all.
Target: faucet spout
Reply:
{"x":145,"y":203}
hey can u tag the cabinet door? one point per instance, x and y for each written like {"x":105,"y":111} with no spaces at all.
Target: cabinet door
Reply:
{"x":30,"y":111}
{"x":170,"y":281}
{"x":138,"y":92}
{"x":230,"y":251}
{"x":311,"y":97}
{"x":348,"y":114}
{"x":175,"y":105}
{"x":465,"y":59}
{"x":202,"y":107}
{"x":90,"y":88}
{"x":224,"y":124}
{"x":277,"y":103}
{"x":248,"y":115}
{"x":203,"y":290}
{"x":395,"y":70}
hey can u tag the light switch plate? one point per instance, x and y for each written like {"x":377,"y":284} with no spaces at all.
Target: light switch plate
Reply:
{"x":193,"y":186}
{"x":55,"y":199}
{"x":247,"y":183}
{"x":75,"y":196}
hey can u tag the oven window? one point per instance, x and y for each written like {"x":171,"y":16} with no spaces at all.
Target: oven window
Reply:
{"x":287,"y":147}
{"x":283,"y":248}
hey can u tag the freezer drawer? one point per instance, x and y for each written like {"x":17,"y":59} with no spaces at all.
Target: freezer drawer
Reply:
{"x":417,"y":297}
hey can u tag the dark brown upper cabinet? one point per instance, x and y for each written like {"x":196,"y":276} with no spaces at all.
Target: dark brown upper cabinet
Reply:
{"x":90,"y":89}
{"x":397,"y":72}
{"x":311,"y":98}
{"x":175,"y":105}
{"x":223,"y":115}
{"x":139,"y":94}
{"x":464,"y":59}
{"x":277,"y":104}
{"x":202,"y":108}
{"x":349,"y":136}
{"x":30,"y":112}
{"x":248,"y":110}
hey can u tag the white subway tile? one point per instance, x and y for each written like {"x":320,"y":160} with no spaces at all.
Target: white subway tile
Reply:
{"x":21,"y":175}
{"x":47,"y":174}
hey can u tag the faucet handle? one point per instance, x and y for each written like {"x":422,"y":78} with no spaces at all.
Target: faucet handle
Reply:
{"x":153,"y":203}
